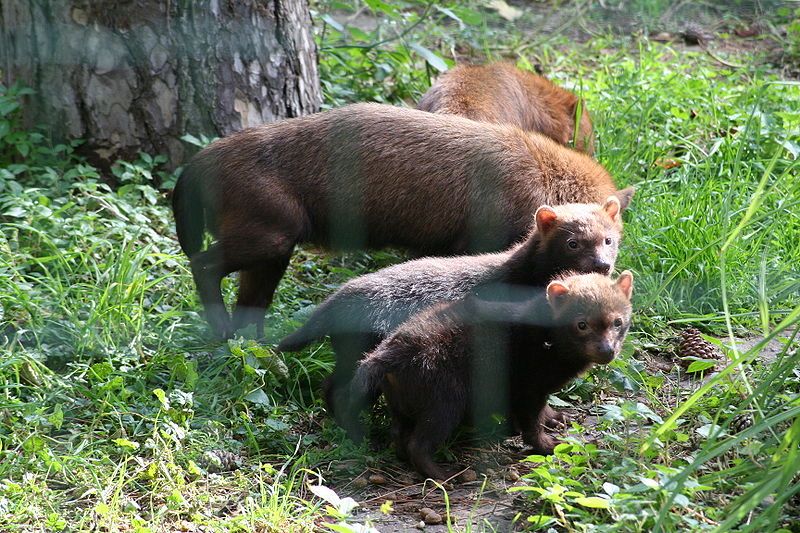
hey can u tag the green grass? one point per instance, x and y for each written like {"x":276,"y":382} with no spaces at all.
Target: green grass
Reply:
{"x":117,"y":411}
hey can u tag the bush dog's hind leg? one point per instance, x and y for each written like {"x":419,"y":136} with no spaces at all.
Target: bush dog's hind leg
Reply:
{"x":349,"y":349}
{"x":531,"y":413}
{"x":252,"y":289}
{"x":208,"y":269}
{"x":430,"y":431}
{"x":553,"y":418}
{"x":532,"y":423}
{"x":256,"y":290}
{"x":261,"y":250}
{"x":401,"y":431}
{"x":420,"y":448}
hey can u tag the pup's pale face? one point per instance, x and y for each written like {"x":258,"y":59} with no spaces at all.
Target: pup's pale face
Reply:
{"x":581,"y":238}
{"x":592,"y":313}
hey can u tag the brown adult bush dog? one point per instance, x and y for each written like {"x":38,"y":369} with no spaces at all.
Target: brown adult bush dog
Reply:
{"x":569,"y":237}
{"x":503,"y":94}
{"x":470,"y":359}
{"x":365,"y":175}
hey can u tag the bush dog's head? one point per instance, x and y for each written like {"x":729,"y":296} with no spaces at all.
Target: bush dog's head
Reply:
{"x":591,"y":314}
{"x":581,"y":237}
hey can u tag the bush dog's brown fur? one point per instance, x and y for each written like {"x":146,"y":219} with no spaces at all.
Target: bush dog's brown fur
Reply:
{"x":503,"y":94}
{"x":465,"y":360}
{"x":568,"y":237}
{"x":365,"y":175}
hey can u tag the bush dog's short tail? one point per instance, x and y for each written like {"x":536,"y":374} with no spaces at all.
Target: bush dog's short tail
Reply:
{"x":297,"y":340}
{"x":331,"y":317}
{"x":187,"y":206}
{"x":317,"y":326}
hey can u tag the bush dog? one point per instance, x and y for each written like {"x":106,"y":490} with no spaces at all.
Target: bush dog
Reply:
{"x":503,"y":94}
{"x":465,"y":360}
{"x":365,"y":175}
{"x":575,"y":237}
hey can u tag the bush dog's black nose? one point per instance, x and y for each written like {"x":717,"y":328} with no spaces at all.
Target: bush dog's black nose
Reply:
{"x":602,"y":267}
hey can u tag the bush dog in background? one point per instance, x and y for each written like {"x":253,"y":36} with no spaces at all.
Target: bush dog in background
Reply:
{"x":365,"y":175}
{"x":503,"y":94}
{"x":469,"y":359}
{"x":576,"y":237}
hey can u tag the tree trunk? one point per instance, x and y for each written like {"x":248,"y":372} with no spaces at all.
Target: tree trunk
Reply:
{"x":136,"y":75}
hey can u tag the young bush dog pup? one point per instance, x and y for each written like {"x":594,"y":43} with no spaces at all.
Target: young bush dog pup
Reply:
{"x":575,"y":237}
{"x":364,"y":175}
{"x":503,"y":94}
{"x":465,"y":360}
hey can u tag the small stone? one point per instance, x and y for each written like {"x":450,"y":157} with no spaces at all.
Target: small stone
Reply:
{"x":80,"y":16}
{"x":512,"y":475}
{"x":360,"y":482}
{"x":421,"y":524}
{"x":662,"y":37}
{"x":468,"y":476}
{"x":377,"y":479}
{"x":405,"y":480}
{"x":430,"y":517}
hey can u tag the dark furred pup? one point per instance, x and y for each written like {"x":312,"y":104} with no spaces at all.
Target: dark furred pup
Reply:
{"x":503,"y":94}
{"x":365,"y":175}
{"x":466,"y":360}
{"x":575,"y":237}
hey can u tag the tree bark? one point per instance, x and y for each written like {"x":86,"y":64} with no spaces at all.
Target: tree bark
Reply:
{"x":136,"y":75}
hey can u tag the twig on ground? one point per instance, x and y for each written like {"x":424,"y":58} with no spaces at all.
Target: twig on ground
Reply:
{"x":718,"y":59}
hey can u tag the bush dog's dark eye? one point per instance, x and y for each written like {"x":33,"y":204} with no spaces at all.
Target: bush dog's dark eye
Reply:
{"x":572,"y":244}
{"x":582,"y":325}
{"x":618,"y":322}
{"x":608,"y":240}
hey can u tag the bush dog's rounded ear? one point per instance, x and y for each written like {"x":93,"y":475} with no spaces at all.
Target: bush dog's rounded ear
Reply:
{"x":545,"y":218}
{"x":556,"y":291}
{"x":612,"y":207}
{"x":625,"y":283}
{"x":624,"y":197}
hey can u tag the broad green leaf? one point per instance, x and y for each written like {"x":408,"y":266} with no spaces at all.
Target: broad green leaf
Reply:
{"x":258,"y":397}
{"x":539,"y":521}
{"x":15,"y":212}
{"x":469,"y":16}
{"x":610,"y":488}
{"x":700,"y":365}
{"x":333,"y":23}
{"x":504,"y":10}
{"x":433,"y":59}
{"x":162,"y":398}
{"x":126,"y":444}
{"x":593,"y":502}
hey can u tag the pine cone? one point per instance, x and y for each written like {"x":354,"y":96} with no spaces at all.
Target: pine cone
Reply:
{"x":741,"y":422}
{"x":693,"y":346}
{"x":216,"y":461}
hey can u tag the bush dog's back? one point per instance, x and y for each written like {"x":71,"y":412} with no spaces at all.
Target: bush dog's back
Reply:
{"x":366,"y":175}
{"x":503,"y":94}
